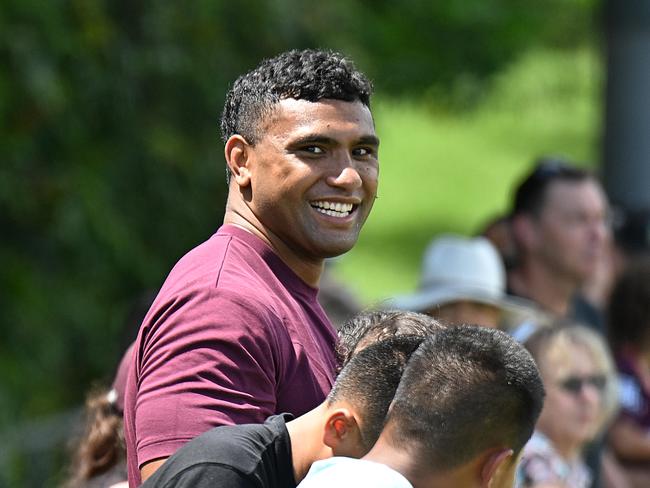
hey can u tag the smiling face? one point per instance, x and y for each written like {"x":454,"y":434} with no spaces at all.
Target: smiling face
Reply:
{"x":310,"y":181}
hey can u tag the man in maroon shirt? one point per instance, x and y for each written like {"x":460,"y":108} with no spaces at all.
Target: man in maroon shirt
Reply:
{"x":236,"y":333}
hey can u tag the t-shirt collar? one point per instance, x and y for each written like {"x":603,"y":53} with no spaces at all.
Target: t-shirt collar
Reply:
{"x":284,"y":273}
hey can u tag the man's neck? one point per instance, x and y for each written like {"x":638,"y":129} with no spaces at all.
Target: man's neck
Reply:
{"x":386,"y":453}
{"x":308,"y":271}
{"x":306,"y":435}
{"x":405,"y":463}
{"x":536,"y":282}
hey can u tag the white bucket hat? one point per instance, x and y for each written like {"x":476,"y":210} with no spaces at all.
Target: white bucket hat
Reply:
{"x":457,"y":268}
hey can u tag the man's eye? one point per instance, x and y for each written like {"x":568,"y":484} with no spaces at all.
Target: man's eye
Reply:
{"x":313,"y":149}
{"x":362,"y":151}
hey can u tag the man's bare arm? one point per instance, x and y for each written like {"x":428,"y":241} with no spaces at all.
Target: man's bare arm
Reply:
{"x":150,"y":468}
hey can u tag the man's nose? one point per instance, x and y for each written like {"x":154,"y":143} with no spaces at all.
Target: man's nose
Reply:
{"x":591,"y":394}
{"x":347,"y":177}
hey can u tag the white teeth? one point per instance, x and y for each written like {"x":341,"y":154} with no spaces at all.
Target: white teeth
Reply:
{"x":332,"y":213}
{"x":333,"y":209}
{"x":337,"y":207}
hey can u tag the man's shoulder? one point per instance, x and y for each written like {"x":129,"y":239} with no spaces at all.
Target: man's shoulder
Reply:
{"x":229,"y":437}
{"x":234,"y":261}
{"x":583,"y":311}
{"x":205,"y":262}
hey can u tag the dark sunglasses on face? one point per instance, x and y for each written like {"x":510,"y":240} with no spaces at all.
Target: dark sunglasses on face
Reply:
{"x":575,"y":384}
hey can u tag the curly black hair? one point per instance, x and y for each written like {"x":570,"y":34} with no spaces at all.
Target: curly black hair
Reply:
{"x":372,"y":326}
{"x":301,"y":74}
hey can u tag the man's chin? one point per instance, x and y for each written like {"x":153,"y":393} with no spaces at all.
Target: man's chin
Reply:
{"x":333,"y":253}
{"x":584,"y":276}
{"x":333,"y":248}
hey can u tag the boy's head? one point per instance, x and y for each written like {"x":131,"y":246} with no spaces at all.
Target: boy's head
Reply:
{"x":468,"y":396}
{"x":359,"y":400}
{"x":378,"y":346}
{"x":376,"y":325}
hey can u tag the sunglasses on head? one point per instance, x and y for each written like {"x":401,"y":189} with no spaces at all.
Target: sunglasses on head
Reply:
{"x":575,"y":384}
{"x":550,"y":167}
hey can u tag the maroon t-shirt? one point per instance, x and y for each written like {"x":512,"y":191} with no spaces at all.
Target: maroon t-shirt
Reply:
{"x":233,"y":336}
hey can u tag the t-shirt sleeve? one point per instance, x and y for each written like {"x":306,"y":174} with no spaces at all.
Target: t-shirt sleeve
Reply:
{"x":206,"y":359}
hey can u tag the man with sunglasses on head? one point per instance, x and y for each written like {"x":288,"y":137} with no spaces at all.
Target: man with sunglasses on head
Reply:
{"x":559,"y":224}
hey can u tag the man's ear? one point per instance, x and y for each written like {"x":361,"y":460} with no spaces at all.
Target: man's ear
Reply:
{"x":524,"y":231}
{"x":497,"y":467}
{"x":238,"y":154}
{"x":342,"y":434}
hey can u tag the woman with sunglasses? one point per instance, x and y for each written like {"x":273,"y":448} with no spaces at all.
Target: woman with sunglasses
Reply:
{"x":580,"y":388}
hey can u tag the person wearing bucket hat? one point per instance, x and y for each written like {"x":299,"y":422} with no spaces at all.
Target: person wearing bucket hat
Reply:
{"x":463,"y":282}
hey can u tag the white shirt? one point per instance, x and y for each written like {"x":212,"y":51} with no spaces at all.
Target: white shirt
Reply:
{"x":342,"y":472}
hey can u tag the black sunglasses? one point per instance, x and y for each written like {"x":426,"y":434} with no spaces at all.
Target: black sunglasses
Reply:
{"x":575,"y":384}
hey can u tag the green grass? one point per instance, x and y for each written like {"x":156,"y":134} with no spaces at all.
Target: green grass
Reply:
{"x":451,"y":172}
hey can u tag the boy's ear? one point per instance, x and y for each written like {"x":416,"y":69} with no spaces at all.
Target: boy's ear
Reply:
{"x":339,"y":425}
{"x":238,"y":155}
{"x":342,"y":434}
{"x":498,"y":469}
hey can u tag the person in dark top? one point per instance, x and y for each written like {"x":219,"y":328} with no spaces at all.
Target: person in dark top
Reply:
{"x":279,"y":452}
{"x":236,"y":330}
{"x":247,"y":455}
{"x":629,"y":337}
{"x":559,"y":224}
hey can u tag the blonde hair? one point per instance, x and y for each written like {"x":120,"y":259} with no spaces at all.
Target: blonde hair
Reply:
{"x":558,"y":340}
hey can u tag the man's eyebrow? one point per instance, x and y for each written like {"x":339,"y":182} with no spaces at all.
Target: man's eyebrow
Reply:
{"x":369,"y":140}
{"x":312,"y":139}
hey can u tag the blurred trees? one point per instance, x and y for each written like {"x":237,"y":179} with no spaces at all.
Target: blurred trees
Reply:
{"x":110,"y":158}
